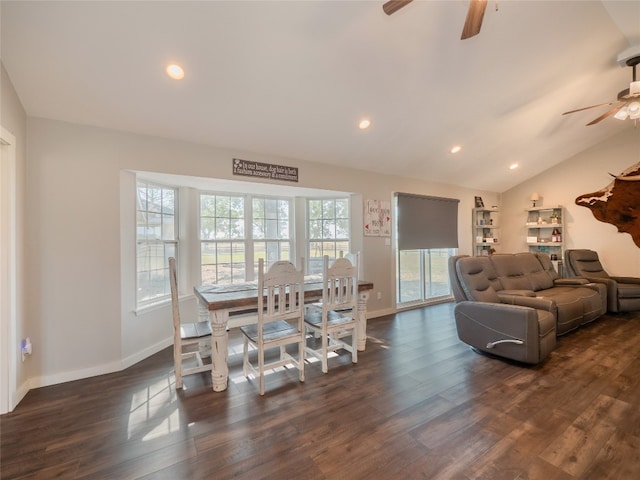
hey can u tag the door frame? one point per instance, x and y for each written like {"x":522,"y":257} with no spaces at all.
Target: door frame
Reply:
{"x":8,"y":276}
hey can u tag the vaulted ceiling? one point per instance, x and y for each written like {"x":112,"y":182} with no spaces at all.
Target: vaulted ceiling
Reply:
{"x":293,"y":78}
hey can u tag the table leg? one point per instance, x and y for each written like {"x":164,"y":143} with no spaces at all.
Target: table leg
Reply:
{"x":219,"y":349}
{"x":362,"y":319}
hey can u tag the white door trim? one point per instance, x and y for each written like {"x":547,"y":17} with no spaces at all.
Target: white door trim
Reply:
{"x":8,"y":276}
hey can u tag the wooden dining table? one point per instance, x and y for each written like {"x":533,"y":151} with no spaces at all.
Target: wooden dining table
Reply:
{"x":236,"y":305}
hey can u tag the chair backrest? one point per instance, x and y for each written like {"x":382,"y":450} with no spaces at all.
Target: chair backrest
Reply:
{"x":175,"y":306}
{"x":454,"y":280}
{"x":340,"y":284}
{"x":282,"y":288}
{"x":584,"y":263}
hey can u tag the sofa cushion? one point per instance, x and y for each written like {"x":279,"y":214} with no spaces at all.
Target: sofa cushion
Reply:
{"x":509,"y":270}
{"x":532,"y":268}
{"x":570,"y":307}
{"x":585,"y":263}
{"x":474,"y":279}
{"x":547,"y":265}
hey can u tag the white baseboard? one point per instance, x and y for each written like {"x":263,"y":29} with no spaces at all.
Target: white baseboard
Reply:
{"x":47,"y":380}
{"x":147,"y":352}
{"x":380,"y":313}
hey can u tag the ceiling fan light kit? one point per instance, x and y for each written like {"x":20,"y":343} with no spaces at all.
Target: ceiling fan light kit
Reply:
{"x":628,"y":100}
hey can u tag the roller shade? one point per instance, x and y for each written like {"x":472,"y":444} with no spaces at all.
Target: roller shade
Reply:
{"x":427,"y":222}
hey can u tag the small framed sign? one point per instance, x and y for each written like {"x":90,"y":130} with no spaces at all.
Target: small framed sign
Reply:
{"x":270,"y":171}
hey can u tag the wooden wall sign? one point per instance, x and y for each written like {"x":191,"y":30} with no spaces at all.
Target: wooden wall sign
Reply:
{"x":270,"y":171}
{"x":618,"y":203}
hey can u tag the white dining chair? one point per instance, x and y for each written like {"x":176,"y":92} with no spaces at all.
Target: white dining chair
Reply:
{"x":336,"y":318}
{"x":187,"y":337}
{"x":280,"y":320}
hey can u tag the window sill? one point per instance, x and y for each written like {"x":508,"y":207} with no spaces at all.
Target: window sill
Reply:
{"x":159,"y":305}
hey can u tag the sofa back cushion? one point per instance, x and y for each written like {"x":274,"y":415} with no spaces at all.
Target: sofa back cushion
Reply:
{"x":521,"y":271}
{"x":509,"y":270}
{"x":532,"y":268}
{"x":547,"y":265}
{"x":474,"y":274}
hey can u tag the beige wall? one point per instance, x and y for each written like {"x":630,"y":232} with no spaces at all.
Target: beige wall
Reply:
{"x":80,"y":267}
{"x":81,"y":262}
{"x":80,"y":255}
{"x":584,"y":173}
{"x":14,"y":120}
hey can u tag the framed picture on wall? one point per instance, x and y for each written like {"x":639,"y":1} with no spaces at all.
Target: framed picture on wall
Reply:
{"x":479,"y":202}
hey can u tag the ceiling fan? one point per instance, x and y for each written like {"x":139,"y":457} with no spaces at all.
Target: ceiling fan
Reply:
{"x":628,"y":100}
{"x":472,"y":24}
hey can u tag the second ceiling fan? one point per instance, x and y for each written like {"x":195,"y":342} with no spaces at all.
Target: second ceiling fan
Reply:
{"x":472,"y":24}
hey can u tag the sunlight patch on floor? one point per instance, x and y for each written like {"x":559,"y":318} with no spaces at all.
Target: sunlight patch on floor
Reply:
{"x":154,"y":411}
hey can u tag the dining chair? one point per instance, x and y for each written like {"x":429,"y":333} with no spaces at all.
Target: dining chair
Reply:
{"x":187,"y":337}
{"x":280,"y":320}
{"x":335,"y":319}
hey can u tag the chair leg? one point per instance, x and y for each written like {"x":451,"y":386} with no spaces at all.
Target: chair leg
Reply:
{"x":301,"y":359}
{"x":245,"y":358}
{"x":177,"y":365}
{"x":354,"y":347}
{"x":325,"y":352}
{"x":261,"y":369}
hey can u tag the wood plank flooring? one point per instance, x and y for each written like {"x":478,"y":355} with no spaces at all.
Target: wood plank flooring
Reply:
{"x":418,"y":405}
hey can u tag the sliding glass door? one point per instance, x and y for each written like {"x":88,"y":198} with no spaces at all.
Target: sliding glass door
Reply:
{"x":423,"y":275}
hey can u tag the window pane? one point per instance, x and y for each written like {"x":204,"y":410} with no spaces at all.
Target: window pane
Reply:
{"x":237,"y":228}
{"x":315,"y":229}
{"x":342,"y":228}
{"x":438,"y":285}
{"x":168,"y":197}
{"x":315,"y":209}
{"x":283,"y":229}
{"x":410,"y":282}
{"x":258,"y":228}
{"x":328,"y":209}
{"x":328,"y":230}
{"x":168,"y":227}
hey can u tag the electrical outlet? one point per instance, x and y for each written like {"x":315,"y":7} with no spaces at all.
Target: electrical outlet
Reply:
{"x":26,"y":348}
{"x":379,"y":295}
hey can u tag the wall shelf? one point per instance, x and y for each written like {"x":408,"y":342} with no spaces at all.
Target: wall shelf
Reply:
{"x":485,"y":230}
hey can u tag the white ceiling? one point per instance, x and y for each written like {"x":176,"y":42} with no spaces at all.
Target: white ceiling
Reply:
{"x":292,"y":78}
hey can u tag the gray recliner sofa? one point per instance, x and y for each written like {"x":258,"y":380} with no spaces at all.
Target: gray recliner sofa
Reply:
{"x":623,"y":293}
{"x":514,"y":305}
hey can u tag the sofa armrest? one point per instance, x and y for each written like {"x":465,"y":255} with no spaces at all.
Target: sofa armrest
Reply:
{"x":612,"y":291}
{"x":567,"y":282}
{"x":540,"y":303}
{"x":512,"y":331}
{"x":635,"y":280}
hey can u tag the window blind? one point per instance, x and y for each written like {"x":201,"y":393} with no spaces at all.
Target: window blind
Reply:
{"x":426,"y":222}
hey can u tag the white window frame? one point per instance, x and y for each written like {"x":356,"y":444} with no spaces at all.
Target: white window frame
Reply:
{"x":248,"y":240}
{"x":169,"y":246}
{"x":340,"y":244}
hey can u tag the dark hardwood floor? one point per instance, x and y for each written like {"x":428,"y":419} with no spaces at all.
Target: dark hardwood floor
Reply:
{"x":419,"y":404}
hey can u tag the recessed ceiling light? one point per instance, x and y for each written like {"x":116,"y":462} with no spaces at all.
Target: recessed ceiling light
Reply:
{"x":513,"y":166}
{"x":456,"y":149}
{"x":364,"y":124}
{"x":175,"y":71}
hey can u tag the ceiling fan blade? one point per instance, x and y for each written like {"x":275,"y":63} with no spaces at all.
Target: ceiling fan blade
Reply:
{"x":475,"y":14}
{"x":587,"y":108}
{"x":613,"y":111}
{"x":394,"y":5}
